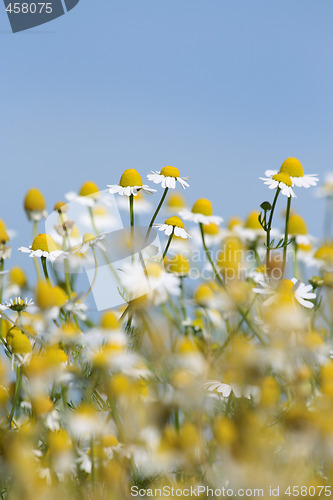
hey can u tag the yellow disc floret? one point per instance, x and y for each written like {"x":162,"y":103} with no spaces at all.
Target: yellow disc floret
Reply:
{"x":17,"y":276}
{"x":110,"y":321}
{"x":60,"y":206}
{"x":202,"y":206}
{"x":44,"y":242}
{"x":34,"y":201}
{"x":17,"y":341}
{"x":130,"y":178}
{"x":176,"y":200}
{"x":88,"y":188}
{"x":87,"y":237}
{"x":252,"y":221}
{"x":48,"y":296}
{"x":292,"y":167}
{"x":203,"y":294}
{"x":283,"y":177}
{"x":297,"y":225}
{"x":211,"y":229}
{"x":174,"y":221}
{"x":4,"y":238}
{"x":179,"y":264}
{"x":233,"y":222}
{"x":170,"y":171}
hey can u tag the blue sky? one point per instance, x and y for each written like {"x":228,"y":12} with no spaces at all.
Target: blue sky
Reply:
{"x":222,"y":89}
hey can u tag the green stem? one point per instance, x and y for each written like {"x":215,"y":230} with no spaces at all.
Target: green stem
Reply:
{"x":295,"y":258}
{"x":93,"y":222}
{"x":269,"y":227}
{"x":285,"y":242}
{"x":182,"y":297}
{"x":131,"y":202}
{"x":219,"y":279}
{"x":46,"y":274}
{"x":16,"y":393}
{"x":156,"y":212}
{"x":167,"y":245}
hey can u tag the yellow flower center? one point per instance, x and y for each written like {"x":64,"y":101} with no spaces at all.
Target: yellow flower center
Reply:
{"x":283,"y":177}
{"x":325,"y":253}
{"x":130,"y":178}
{"x":59,"y":441}
{"x":252,"y":222}
{"x":176,"y":200}
{"x":34,"y":201}
{"x":50,"y":296}
{"x":170,"y":171}
{"x":44,"y":242}
{"x":174,"y":221}
{"x":297,"y":225}
{"x":179,"y":264}
{"x":3,"y":225}
{"x":17,"y":276}
{"x":61,"y":206}
{"x":17,"y":341}
{"x":88,"y":189}
{"x":109,"y":440}
{"x":203,"y":294}
{"x":285,"y":286}
{"x":292,"y":167}
{"x":4,"y":238}
{"x":202,"y":206}
{"x":100,"y":211}
{"x":231,"y":258}
{"x":55,"y":356}
{"x":87,"y":237}
{"x":233,"y":222}
{"x":110,"y":321}
{"x":186,"y":346}
{"x":211,"y":229}
{"x":41,"y":404}
{"x":154,"y":270}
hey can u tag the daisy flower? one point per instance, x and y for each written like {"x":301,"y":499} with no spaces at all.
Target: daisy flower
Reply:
{"x":157,"y":285}
{"x":87,"y":195}
{"x":43,"y":246}
{"x":5,"y":250}
{"x":295,"y":288}
{"x":89,"y":241}
{"x":202,"y":213}
{"x":281,"y":180}
{"x":34,"y":205}
{"x":225,"y":390}
{"x":168,"y":178}
{"x":16,"y":304}
{"x":173,"y":225}
{"x":130,"y":184}
{"x":10,"y":232}
{"x":293,"y":168}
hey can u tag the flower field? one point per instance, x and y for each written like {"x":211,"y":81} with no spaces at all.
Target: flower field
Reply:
{"x":207,"y":370}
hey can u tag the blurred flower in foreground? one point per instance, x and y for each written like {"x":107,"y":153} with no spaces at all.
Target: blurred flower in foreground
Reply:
{"x":293,"y":288}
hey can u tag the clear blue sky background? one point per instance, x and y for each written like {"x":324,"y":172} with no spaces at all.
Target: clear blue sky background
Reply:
{"x":222,"y":89}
